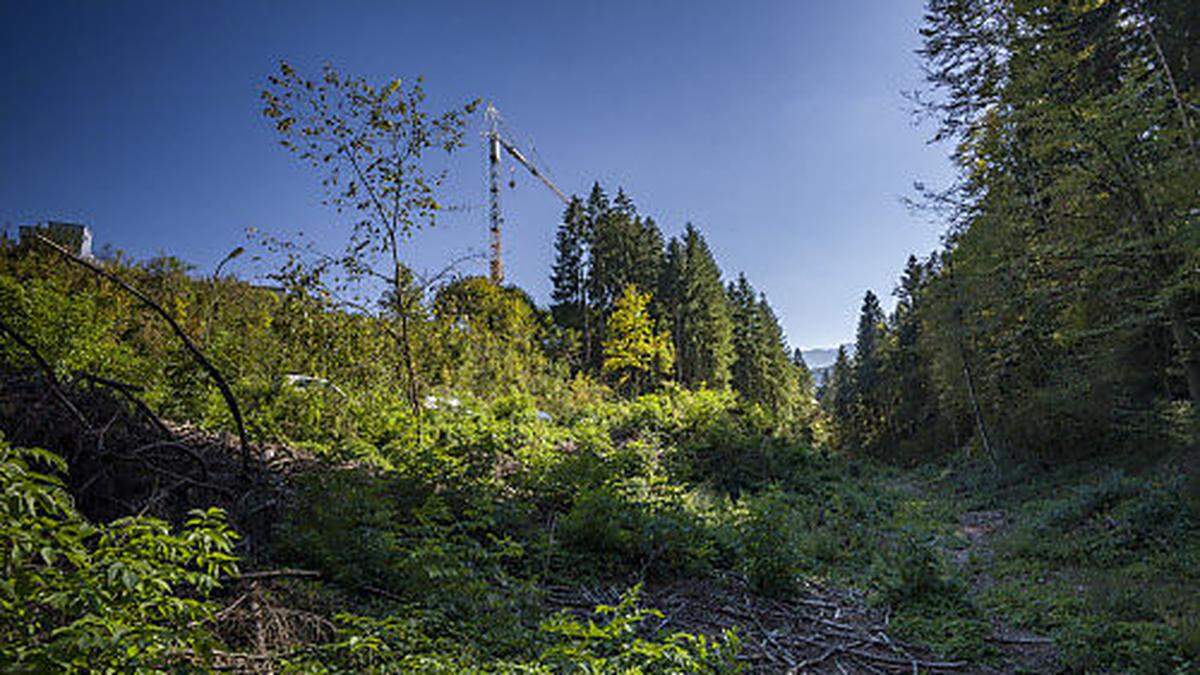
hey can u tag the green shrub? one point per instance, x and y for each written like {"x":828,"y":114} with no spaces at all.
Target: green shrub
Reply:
{"x":622,"y":643}
{"x":910,"y":570}
{"x":770,"y":544}
{"x":641,"y":527}
{"x":75,"y":597}
{"x":344,"y":524}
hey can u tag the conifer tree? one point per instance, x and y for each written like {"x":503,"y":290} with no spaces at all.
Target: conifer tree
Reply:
{"x":624,"y":249}
{"x":804,"y":377}
{"x":635,"y":354}
{"x":748,"y":371}
{"x":910,"y":408}
{"x":865,"y":389}
{"x":623,"y":205}
{"x":762,"y":370}
{"x":570,"y":268}
{"x":704,"y":331}
{"x":838,"y":392}
{"x":866,"y":343}
{"x":779,"y":375}
{"x":597,"y":204}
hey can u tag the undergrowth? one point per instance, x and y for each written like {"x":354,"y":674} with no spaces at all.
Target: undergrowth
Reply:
{"x":1103,"y":557}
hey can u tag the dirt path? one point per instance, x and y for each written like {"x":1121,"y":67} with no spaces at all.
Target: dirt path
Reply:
{"x":1022,"y":651}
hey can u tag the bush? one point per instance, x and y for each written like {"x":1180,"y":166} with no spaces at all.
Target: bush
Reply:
{"x":75,"y":597}
{"x":621,"y":643}
{"x":646,"y":528}
{"x":770,"y":548}
{"x":912,"y":571}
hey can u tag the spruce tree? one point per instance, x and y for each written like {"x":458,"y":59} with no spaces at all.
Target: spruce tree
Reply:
{"x":779,"y":376}
{"x":748,"y":370}
{"x":866,"y":346}
{"x":910,"y":408}
{"x":866,"y":390}
{"x":704,"y":335}
{"x":570,"y":268}
{"x":838,"y":393}
{"x":570,"y":300}
{"x":624,"y":249}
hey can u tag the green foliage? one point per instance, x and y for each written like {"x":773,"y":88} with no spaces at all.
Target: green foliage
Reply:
{"x":127,"y":596}
{"x":616,"y":645}
{"x":911,"y":571}
{"x":647,"y":528}
{"x":763,"y":372}
{"x":1061,"y":317}
{"x":1100,"y":558}
{"x":698,"y":312}
{"x":617,"y":639}
{"x":633,"y":352}
{"x":771,"y":553}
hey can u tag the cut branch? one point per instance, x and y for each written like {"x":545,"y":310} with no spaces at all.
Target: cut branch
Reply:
{"x":222,"y":385}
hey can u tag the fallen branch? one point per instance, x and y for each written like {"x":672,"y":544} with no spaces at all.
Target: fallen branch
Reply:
{"x":222,"y":385}
{"x":898,"y":661}
{"x":127,"y":392}
{"x":275,"y":574}
{"x":1020,"y":640}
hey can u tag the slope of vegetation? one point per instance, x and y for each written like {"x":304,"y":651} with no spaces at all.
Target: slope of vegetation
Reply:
{"x":361,"y":468}
{"x":406,"y":543}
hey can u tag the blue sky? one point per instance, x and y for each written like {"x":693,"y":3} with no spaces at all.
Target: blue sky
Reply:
{"x":777,"y":127}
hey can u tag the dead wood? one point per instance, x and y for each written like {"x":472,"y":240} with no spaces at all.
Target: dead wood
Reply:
{"x":197,"y":355}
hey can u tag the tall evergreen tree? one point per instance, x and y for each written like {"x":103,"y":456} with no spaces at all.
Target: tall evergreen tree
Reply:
{"x":597,"y":204}
{"x":838,"y":393}
{"x":625,"y":250}
{"x":780,"y":375}
{"x":762,"y":370}
{"x":623,"y":205}
{"x":865,"y":386}
{"x":805,"y":389}
{"x":569,"y":277}
{"x":866,"y":345}
{"x":748,"y":372}
{"x":910,"y":408}
{"x":570,"y":299}
{"x":703,"y":332}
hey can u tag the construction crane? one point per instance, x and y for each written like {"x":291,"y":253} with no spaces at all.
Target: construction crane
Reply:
{"x":498,"y":139}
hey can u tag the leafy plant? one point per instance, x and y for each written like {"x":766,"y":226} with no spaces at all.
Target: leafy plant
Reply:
{"x":621,"y":643}
{"x":130,"y":595}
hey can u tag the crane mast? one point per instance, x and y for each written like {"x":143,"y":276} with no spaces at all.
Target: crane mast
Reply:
{"x":496,"y":141}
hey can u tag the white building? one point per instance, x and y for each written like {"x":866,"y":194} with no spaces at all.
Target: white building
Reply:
{"x":74,"y":237}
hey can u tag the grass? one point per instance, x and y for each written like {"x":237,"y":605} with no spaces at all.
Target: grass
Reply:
{"x":1103,"y":557}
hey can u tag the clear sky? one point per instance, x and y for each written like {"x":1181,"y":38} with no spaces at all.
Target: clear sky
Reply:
{"x":777,"y":127}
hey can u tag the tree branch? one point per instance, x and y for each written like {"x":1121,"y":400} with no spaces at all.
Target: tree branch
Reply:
{"x":207,"y":365}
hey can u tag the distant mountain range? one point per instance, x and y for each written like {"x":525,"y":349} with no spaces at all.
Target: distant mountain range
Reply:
{"x":820,"y":361}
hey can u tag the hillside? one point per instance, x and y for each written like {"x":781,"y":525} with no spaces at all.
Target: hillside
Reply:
{"x":320,"y":457}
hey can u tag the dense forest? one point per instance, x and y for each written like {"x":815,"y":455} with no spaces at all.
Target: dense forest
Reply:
{"x":349,"y":465}
{"x":1061,"y":315}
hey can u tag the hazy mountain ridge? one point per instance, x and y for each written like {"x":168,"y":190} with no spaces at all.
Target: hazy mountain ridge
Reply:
{"x":820,"y":361}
